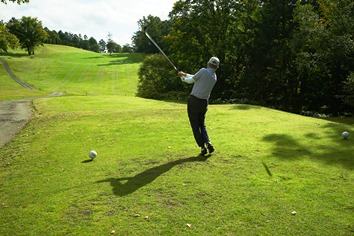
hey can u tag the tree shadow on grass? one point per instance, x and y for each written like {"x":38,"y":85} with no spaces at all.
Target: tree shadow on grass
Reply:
{"x":286,"y":147}
{"x":11,"y":54}
{"x":116,"y":62}
{"x":246,"y":107}
{"x":127,"y":185}
{"x":341,"y":152}
{"x":118,"y":58}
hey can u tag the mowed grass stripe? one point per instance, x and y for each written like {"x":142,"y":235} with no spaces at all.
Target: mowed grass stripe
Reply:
{"x":60,"y":68}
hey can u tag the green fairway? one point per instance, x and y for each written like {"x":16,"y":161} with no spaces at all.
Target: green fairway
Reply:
{"x":57,"y":68}
{"x":273,"y":173}
{"x":9,"y":89}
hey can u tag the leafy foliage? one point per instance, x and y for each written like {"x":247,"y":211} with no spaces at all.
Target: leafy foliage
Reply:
{"x":17,"y":1}
{"x":113,"y":47}
{"x":7,"y":40}
{"x":157,"y":29}
{"x":349,"y":90}
{"x":202,"y":29}
{"x":29,"y":31}
{"x":293,"y":55}
{"x":323,"y":49}
{"x":158,"y":81}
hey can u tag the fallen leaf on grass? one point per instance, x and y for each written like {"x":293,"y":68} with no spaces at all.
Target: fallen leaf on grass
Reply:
{"x":189,"y":225}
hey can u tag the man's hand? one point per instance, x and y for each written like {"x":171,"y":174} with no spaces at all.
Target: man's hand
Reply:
{"x":182,"y":74}
{"x":187,"y":78}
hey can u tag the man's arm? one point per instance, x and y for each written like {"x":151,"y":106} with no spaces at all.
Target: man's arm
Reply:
{"x":187,"y":78}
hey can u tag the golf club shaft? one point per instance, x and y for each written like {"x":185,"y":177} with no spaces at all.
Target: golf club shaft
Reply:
{"x":147,"y":35}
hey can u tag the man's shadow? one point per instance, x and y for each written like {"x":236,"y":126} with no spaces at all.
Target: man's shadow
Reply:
{"x":127,"y":185}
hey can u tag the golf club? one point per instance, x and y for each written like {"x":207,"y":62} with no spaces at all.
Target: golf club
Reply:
{"x":149,"y":37}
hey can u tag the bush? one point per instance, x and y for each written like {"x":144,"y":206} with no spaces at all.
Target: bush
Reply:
{"x":349,"y":89}
{"x":158,"y":81}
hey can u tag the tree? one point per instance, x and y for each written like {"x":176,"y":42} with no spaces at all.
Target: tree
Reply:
{"x":323,"y":49}
{"x":102,"y":45}
{"x":267,"y":77}
{"x":53,"y":36}
{"x":18,"y":1}
{"x":29,"y":31}
{"x":112,"y":46}
{"x":7,"y":40}
{"x":157,"y":30}
{"x":158,"y":81}
{"x":348,"y":87}
{"x":84,"y":44}
{"x":293,"y":55}
{"x":201,"y":29}
{"x":127,"y":48}
{"x":93,"y":45}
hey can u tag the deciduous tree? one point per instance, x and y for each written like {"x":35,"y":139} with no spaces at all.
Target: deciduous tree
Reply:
{"x":201,"y":29}
{"x":157,"y":30}
{"x":7,"y":40}
{"x":29,"y":31}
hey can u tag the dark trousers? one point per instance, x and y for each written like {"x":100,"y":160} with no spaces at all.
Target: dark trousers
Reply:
{"x":197,"y":109}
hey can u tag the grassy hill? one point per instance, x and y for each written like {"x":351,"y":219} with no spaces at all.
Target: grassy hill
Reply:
{"x":273,"y":173}
{"x":57,"y":68}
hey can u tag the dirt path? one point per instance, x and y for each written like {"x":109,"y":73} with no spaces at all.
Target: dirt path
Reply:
{"x":15,"y":114}
{"x":14,"y":77}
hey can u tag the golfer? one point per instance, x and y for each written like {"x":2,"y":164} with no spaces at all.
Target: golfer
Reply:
{"x":204,"y":81}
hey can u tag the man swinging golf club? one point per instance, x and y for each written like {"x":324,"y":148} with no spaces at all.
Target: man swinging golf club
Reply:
{"x":204,"y":81}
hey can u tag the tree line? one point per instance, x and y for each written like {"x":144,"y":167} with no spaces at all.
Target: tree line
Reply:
{"x":294,"y":55}
{"x":84,"y":42}
{"x":28,"y":33}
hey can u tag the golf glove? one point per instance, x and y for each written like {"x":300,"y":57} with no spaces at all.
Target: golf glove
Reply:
{"x":188,"y":79}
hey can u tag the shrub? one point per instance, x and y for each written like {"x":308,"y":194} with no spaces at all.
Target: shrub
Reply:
{"x":157,"y":80}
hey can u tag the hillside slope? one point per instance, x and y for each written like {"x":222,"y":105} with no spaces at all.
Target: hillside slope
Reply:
{"x":56,"y":68}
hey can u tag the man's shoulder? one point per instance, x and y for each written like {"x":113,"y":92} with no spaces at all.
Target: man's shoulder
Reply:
{"x":202,"y":71}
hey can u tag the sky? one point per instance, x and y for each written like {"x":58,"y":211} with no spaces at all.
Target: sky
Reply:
{"x":93,"y":18}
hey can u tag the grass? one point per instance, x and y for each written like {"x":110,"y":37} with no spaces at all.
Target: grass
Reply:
{"x":58,"y":68}
{"x":12,"y":90}
{"x":148,"y":180}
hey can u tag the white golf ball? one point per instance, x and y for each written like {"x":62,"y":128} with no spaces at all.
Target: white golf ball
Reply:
{"x":345,"y":135}
{"x":92,"y":154}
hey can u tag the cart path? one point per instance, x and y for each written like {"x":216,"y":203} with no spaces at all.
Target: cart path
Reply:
{"x":15,"y":114}
{"x":14,"y":77}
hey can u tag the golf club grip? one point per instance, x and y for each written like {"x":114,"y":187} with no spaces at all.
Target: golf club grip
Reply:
{"x":147,"y":35}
